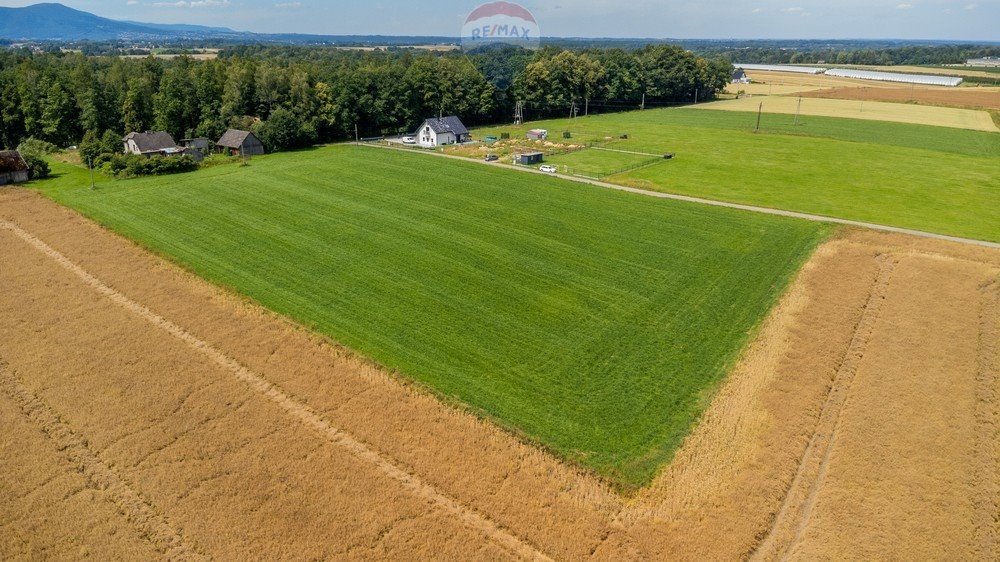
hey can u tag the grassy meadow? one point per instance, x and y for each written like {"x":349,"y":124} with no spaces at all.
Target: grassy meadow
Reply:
{"x":594,"y":322}
{"x":937,"y":179}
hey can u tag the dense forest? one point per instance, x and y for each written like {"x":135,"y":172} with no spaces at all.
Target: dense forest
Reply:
{"x":293,"y":96}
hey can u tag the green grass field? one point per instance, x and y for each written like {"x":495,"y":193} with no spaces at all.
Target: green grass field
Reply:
{"x":597,"y":163}
{"x":935,"y":179}
{"x":595,"y":322}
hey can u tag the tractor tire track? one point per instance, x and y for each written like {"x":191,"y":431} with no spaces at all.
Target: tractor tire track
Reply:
{"x":295,"y":408}
{"x":140,"y":512}
{"x":793,"y":516}
{"x":986,"y":542}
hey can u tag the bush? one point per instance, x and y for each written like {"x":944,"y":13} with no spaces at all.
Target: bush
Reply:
{"x":284,"y":130}
{"x":133,"y":165}
{"x":38,"y":168}
{"x":37,"y":147}
{"x":90,"y":147}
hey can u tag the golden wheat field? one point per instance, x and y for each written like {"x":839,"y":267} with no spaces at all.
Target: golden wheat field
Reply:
{"x":973,"y":119}
{"x":148,"y":414}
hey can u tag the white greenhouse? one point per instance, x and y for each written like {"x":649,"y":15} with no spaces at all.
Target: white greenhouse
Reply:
{"x":780,"y":68}
{"x":925,"y":79}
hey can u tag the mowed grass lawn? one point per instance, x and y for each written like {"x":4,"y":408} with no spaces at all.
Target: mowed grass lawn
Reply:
{"x":597,"y":163}
{"x":935,"y":179}
{"x":595,"y":322}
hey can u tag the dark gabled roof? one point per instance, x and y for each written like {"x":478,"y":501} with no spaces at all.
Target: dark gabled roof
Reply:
{"x":449,"y":124}
{"x":152,"y":141}
{"x":11,"y":161}
{"x":738,"y":73}
{"x":234,"y":138}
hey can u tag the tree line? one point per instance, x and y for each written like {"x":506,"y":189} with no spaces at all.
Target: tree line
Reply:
{"x":906,"y":55}
{"x":294,"y":96}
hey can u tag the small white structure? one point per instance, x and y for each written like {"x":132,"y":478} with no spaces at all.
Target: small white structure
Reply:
{"x":781,"y":68}
{"x":538,"y":134}
{"x":442,"y":131}
{"x":925,"y":79}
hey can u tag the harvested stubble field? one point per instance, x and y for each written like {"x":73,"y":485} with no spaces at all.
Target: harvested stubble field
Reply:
{"x":976,"y":98}
{"x":972,"y":119}
{"x":875,"y":378}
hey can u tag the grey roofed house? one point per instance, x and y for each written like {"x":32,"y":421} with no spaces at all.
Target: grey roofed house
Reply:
{"x":450,"y":124}
{"x":740,"y":77}
{"x":13,"y":168}
{"x":150,"y":142}
{"x":241,"y":142}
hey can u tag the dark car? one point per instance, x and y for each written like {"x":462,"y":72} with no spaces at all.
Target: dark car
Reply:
{"x":492,"y":158}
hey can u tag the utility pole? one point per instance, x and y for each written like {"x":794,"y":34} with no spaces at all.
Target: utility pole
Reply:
{"x":759,"y":110}
{"x":798,"y":110}
{"x":519,"y":113}
{"x":643,"y":106}
{"x":357,"y":139}
{"x":572,"y":109}
{"x":586,"y":107}
{"x":862,"y":100}
{"x":90,"y":164}
{"x":696,"y":96}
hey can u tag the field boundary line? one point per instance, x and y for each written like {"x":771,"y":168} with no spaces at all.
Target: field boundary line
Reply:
{"x":296,"y":409}
{"x":724,"y":204}
{"x":637,"y":153}
{"x":139,"y":511}
{"x":986,"y":538}
{"x":796,"y":508}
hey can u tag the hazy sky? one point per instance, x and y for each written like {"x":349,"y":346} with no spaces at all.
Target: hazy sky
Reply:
{"x":821,"y":19}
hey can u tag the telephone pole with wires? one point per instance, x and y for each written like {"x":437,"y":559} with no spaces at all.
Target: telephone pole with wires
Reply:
{"x":519,"y":113}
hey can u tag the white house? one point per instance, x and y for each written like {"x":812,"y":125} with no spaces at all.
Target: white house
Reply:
{"x":740,"y":77}
{"x":439,"y":132}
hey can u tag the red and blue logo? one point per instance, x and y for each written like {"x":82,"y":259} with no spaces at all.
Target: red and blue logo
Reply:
{"x":500,"y":22}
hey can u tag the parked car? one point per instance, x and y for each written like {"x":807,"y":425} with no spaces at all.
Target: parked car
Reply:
{"x":409,"y":140}
{"x":548,"y":168}
{"x":492,"y":158}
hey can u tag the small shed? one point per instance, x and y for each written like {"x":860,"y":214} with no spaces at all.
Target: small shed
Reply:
{"x":740,"y":76}
{"x":201,"y":144}
{"x":240,"y":143}
{"x":529,"y":158}
{"x":13,"y":168}
{"x":538,"y":134}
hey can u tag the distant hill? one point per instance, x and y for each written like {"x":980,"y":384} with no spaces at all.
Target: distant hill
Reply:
{"x":56,"y":22}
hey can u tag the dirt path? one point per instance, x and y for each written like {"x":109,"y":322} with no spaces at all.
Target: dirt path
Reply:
{"x":254,"y":438}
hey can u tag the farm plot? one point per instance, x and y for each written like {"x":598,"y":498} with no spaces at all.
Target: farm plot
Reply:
{"x":972,"y":119}
{"x":978,"y":98}
{"x":936,"y":179}
{"x":590,"y":321}
{"x":233,"y":454}
{"x":601,"y":162}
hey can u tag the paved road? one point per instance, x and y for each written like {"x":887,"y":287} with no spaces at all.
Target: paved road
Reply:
{"x":689,"y":199}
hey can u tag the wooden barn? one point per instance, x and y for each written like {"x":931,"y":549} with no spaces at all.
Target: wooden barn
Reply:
{"x":13,"y":169}
{"x":151,"y":143}
{"x":240,"y":143}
